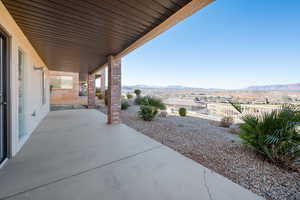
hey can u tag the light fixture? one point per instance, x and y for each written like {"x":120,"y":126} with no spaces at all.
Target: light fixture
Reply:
{"x":38,"y":68}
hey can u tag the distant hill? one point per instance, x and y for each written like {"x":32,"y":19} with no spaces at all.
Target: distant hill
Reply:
{"x":287,"y":87}
{"x":128,"y":87}
{"x":152,"y":86}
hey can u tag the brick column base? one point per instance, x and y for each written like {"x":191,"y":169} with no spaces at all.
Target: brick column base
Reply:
{"x":114,"y":90}
{"x":91,"y":91}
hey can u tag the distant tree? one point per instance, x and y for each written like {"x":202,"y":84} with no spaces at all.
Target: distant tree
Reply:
{"x":137,"y":92}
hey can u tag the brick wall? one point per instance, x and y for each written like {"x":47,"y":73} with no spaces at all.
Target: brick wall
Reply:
{"x":66,"y":96}
{"x":91,"y":91}
{"x":114,"y":90}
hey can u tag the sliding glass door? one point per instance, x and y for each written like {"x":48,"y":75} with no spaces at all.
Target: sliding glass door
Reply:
{"x":3,"y":104}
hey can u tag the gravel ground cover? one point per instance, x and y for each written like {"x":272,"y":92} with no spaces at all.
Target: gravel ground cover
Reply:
{"x":216,"y":148}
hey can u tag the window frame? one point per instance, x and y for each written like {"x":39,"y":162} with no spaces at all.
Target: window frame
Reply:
{"x":60,"y":79}
{"x":43,"y":86}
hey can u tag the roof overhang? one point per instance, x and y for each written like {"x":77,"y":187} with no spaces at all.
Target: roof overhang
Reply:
{"x":78,"y":35}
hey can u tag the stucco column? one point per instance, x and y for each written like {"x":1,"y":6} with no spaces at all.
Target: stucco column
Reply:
{"x":103,"y":80}
{"x":91,"y":91}
{"x":114,"y":90}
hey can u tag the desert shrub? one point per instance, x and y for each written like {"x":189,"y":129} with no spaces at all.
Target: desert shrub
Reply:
{"x":141,"y":100}
{"x":147,"y":113}
{"x":124,"y":104}
{"x":149,"y":107}
{"x":129,"y":96}
{"x":137,"y":92}
{"x":182,"y":112}
{"x":226,"y":122}
{"x":99,"y":95}
{"x":152,"y":101}
{"x":274,"y":135}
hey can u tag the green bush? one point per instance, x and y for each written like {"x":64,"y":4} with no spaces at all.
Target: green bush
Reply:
{"x":149,"y":107}
{"x":274,"y":135}
{"x":182,"y":112}
{"x":141,"y":100}
{"x":124,"y":104}
{"x":147,"y":113}
{"x":137,"y":92}
{"x":226,"y":122}
{"x":129,"y":96}
{"x":152,"y":101}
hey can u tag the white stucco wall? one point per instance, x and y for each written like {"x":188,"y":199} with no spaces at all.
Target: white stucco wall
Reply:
{"x":33,"y":81}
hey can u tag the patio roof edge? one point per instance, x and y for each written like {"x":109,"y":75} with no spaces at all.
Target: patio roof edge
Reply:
{"x":180,"y":15}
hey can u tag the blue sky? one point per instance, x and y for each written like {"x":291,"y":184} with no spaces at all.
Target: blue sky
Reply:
{"x":229,"y":44}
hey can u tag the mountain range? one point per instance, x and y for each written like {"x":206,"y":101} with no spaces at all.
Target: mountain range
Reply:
{"x":286,"y":87}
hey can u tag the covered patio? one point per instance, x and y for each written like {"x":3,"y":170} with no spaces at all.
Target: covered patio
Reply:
{"x":84,"y":154}
{"x":75,"y":155}
{"x":89,"y":36}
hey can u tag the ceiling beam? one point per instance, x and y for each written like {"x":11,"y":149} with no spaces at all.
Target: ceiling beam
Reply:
{"x":174,"y":19}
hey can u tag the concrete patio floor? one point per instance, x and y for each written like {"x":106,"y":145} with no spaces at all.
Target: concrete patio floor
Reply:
{"x":75,"y":155}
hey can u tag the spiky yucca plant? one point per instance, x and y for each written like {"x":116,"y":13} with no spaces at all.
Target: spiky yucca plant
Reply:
{"x":152,"y":101}
{"x":274,"y":135}
{"x":149,"y":107}
{"x":147,"y":113}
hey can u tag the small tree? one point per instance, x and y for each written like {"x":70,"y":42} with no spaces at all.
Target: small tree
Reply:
{"x":138,"y":92}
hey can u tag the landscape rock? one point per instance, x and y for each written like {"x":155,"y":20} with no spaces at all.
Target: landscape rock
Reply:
{"x":217,"y":149}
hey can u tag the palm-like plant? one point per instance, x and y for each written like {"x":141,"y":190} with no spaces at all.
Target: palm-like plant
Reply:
{"x":147,"y":113}
{"x":149,"y":107}
{"x":274,"y":135}
{"x":152,"y":101}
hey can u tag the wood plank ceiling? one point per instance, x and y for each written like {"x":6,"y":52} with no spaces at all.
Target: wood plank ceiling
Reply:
{"x":78,"y":35}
